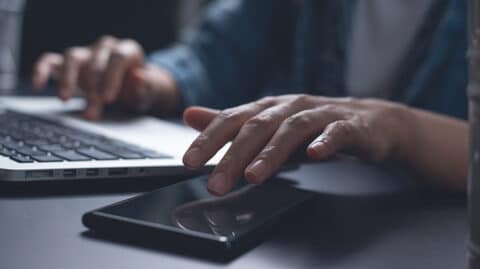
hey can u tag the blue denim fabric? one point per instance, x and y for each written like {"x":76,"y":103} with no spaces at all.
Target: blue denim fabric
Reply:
{"x":246,"y":49}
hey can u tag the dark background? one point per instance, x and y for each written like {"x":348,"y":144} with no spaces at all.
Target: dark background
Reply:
{"x":54,"y":25}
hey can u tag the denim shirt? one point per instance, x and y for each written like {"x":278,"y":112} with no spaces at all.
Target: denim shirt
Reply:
{"x":246,"y":49}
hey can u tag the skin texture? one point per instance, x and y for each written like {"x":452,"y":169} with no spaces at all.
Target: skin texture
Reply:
{"x":266,"y":132}
{"x":108,"y":71}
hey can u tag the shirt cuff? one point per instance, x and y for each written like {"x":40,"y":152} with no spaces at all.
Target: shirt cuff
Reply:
{"x":186,"y":69}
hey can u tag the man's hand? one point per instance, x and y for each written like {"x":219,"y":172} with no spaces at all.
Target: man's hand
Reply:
{"x":108,"y":71}
{"x":265,"y":133}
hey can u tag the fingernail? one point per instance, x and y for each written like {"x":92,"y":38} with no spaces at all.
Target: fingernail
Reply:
{"x":217,"y":184}
{"x":256,"y":172}
{"x":318,"y":148}
{"x":192,"y":158}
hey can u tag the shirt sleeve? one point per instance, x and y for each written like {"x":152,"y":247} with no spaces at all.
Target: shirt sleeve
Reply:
{"x":230,"y":55}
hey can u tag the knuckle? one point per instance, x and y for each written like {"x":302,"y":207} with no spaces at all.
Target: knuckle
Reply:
{"x":266,"y":153}
{"x":261,"y":121}
{"x":106,"y":39}
{"x":349,"y":100}
{"x":332,"y":112}
{"x":300,"y":120}
{"x":47,"y":55}
{"x":343,"y":129}
{"x":127,"y":47}
{"x":302,"y":99}
{"x":229,"y":115}
{"x":131,"y":42}
{"x":74,"y":52}
{"x":369,"y":100}
{"x":330,"y":108}
{"x":266,"y":101}
{"x":118,"y":52}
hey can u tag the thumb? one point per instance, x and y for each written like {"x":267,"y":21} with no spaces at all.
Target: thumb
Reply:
{"x":199,"y":117}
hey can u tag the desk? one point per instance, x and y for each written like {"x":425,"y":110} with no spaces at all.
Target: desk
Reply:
{"x":42,"y":229}
{"x":349,"y":225}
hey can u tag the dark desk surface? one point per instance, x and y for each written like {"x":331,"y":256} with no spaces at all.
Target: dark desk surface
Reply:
{"x":41,"y":228}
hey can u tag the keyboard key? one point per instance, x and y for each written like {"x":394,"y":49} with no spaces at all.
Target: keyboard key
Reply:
{"x":99,"y":143}
{"x":134,"y":148}
{"x":107,"y":147}
{"x":5,"y":136}
{"x":12,"y":144}
{"x":52,"y":147}
{"x":71,"y":155}
{"x":20,"y":135}
{"x":154,"y":155}
{"x":7,"y":152}
{"x":97,"y":154}
{"x":126,"y":154}
{"x":30,"y":151}
{"x":37,"y":142}
{"x":47,"y":158}
{"x":23,"y":135}
{"x":72,"y":144}
{"x":21,"y":159}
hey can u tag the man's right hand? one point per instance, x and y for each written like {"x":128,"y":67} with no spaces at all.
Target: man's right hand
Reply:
{"x":110,"y":70}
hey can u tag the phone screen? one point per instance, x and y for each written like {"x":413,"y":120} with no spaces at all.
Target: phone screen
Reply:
{"x":188,"y":208}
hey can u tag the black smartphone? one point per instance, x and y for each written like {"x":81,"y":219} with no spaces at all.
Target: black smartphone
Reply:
{"x":185,"y":216}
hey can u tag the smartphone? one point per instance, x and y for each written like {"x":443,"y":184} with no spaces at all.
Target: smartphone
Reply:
{"x":185,"y":216}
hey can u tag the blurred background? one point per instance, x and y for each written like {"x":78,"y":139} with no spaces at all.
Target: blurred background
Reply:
{"x":54,"y":25}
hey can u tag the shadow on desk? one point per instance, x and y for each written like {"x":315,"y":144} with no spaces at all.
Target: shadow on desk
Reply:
{"x":148,"y":244}
{"x":338,"y":227}
{"x":324,"y":231}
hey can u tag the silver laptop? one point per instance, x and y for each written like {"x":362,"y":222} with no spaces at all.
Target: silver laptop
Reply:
{"x":44,"y":139}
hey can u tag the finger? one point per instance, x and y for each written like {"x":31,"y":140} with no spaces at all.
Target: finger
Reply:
{"x":93,"y":71}
{"x":199,"y":117}
{"x":291,"y":134}
{"x":251,"y":138}
{"x":338,"y":136}
{"x":47,"y":66}
{"x":143,"y":90}
{"x":95,"y":106}
{"x":74,"y":59}
{"x":100,"y":52}
{"x":127,"y":54}
{"x":222,"y":129}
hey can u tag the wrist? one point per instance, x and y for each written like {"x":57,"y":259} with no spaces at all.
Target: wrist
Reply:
{"x":165,"y":93}
{"x":405,"y":120}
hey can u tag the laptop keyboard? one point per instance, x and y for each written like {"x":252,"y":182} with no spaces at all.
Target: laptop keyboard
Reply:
{"x":27,"y":139}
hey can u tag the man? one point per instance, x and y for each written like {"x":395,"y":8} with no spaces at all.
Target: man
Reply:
{"x":405,"y":51}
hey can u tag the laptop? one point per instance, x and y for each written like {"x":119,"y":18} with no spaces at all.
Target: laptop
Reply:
{"x":45,"y":139}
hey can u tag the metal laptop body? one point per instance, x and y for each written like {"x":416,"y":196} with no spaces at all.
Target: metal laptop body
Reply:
{"x":161,"y":136}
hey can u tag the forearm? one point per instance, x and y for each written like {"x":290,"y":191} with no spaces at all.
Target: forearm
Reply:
{"x":231,"y":54}
{"x":437,"y":147}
